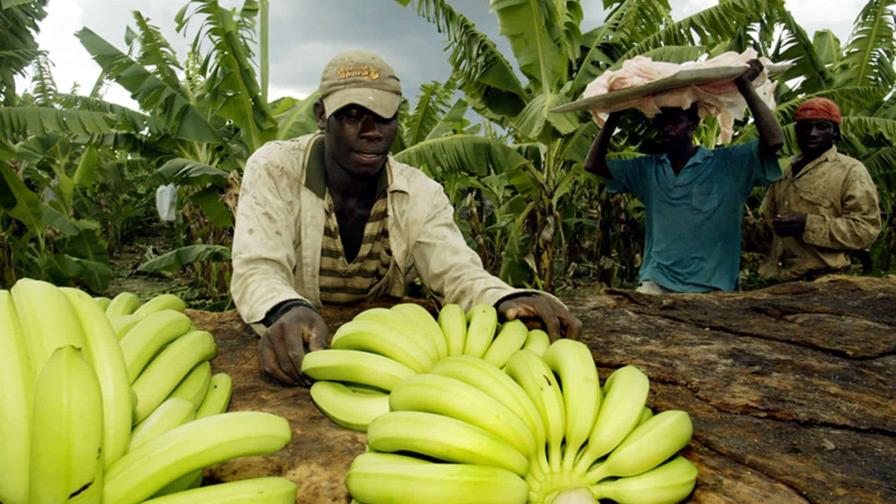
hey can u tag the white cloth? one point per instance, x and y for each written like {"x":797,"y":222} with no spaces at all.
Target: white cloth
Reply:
{"x":720,"y":99}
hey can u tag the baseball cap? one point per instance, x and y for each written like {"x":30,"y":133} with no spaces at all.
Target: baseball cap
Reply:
{"x":361,"y":78}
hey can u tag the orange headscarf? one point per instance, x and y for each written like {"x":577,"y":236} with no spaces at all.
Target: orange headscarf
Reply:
{"x":818,"y":108}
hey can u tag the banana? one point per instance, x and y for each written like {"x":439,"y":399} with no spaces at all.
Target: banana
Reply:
{"x":159,"y":303}
{"x":432,"y":393}
{"x":444,"y":438}
{"x":538,"y":341}
{"x":498,"y":385}
{"x":537,"y":379}
{"x":424,"y":322}
{"x":186,"y":482}
{"x":169,"y":367}
{"x":346,"y":407}
{"x":669,"y":483}
{"x":646,"y":414}
{"x":625,"y":393}
{"x":355,"y":366}
{"x":453,"y":322}
{"x":34,"y":300}
{"x":192,"y":446}
{"x":145,"y":339}
{"x":121,"y":324}
{"x":123,"y":304}
{"x":102,"y":302}
{"x":16,"y":387}
{"x":170,"y":414}
{"x":104,"y":355}
{"x":66,"y":430}
{"x":435,"y":484}
{"x":511,"y":337}
{"x":404,"y":326}
{"x":573,"y":364}
{"x":481,"y":330}
{"x":377,"y":458}
{"x":194,"y":386}
{"x":249,"y":491}
{"x":217,"y":399}
{"x":647,"y":446}
{"x":373,"y":336}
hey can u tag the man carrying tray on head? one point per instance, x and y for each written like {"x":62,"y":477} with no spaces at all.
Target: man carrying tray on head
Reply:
{"x":693,"y":197}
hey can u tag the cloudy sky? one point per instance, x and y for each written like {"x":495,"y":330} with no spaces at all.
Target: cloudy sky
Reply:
{"x":306,"y":33}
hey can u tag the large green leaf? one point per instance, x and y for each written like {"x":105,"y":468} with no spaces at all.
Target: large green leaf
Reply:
{"x":23,"y":121}
{"x":452,"y":121}
{"x":483,"y":73}
{"x":849,"y":98}
{"x":27,"y":208}
{"x":231,"y":83}
{"x":153,"y":94}
{"x":865,"y":126}
{"x":534,"y":29}
{"x":156,"y":52}
{"x":209,"y":201}
{"x":532,"y":119}
{"x":178,"y":259}
{"x":188,"y":172}
{"x":431,"y":105}
{"x":871,"y":50}
{"x":462,"y":153}
{"x":800,"y":50}
{"x":295,"y":117}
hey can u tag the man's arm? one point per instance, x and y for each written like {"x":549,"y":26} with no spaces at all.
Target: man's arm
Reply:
{"x":596,"y":162}
{"x":771,"y":136}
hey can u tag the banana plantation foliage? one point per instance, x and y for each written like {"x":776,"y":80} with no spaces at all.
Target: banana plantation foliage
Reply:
{"x":78,"y":175}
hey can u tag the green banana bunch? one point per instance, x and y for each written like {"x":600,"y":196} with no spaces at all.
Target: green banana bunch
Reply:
{"x":159,"y":303}
{"x":434,"y":483}
{"x":168,"y":368}
{"x":443,"y":395}
{"x":510,"y":338}
{"x":355,"y":366}
{"x":104,"y":355}
{"x":33,"y":300}
{"x":249,"y":491}
{"x":125,"y":303}
{"x":349,"y":407}
{"x":217,"y":400}
{"x":403,"y":328}
{"x":453,"y":322}
{"x":170,"y":414}
{"x":16,"y":386}
{"x":149,"y":467}
{"x":66,"y":456}
{"x":121,"y":324}
{"x":480,"y":330}
{"x":537,"y":341}
{"x":456,"y":441}
{"x":669,"y":483}
{"x":102,"y":302}
{"x":148,"y":336}
{"x":379,"y":338}
{"x":194,"y":386}
{"x":423,"y":321}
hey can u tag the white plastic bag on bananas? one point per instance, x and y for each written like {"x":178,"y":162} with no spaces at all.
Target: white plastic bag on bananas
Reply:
{"x":166,"y":202}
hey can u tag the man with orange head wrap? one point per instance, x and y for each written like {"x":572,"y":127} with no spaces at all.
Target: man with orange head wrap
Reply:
{"x":822,"y":208}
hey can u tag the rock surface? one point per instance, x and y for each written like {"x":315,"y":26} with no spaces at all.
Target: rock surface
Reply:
{"x":791,"y":389}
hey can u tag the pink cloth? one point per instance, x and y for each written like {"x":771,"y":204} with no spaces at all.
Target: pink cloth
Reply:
{"x":721,"y":99}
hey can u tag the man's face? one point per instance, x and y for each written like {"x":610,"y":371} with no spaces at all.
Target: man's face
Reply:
{"x":674,"y":125}
{"x":815,"y":135}
{"x":358,"y":140}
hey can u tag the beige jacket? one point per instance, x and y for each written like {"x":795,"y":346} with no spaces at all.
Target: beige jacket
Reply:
{"x":839,"y":199}
{"x":280,"y":223}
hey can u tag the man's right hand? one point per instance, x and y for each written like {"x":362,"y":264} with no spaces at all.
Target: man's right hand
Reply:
{"x":282,"y":347}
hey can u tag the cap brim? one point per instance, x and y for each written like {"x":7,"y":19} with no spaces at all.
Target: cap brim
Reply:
{"x":382,"y":103}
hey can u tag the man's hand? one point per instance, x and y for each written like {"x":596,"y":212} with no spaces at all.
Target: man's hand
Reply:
{"x":542,"y":312}
{"x":790,"y":224}
{"x":755,"y":68}
{"x":282,"y":347}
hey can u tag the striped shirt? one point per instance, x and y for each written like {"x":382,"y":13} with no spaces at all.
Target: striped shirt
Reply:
{"x":342,"y":282}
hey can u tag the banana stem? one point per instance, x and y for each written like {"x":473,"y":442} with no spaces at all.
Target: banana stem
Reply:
{"x":597,"y":473}
{"x":574,"y":496}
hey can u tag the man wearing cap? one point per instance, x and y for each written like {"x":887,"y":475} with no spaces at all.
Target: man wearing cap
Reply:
{"x":822,"y":209}
{"x":330,"y":218}
{"x":693,"y":196}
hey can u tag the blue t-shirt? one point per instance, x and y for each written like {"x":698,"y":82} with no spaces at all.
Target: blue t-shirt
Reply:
{"x":693,"y":220}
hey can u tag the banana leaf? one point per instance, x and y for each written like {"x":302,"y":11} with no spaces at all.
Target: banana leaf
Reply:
{"x":180,"y":258}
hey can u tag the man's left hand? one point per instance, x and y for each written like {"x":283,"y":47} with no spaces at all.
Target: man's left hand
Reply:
{"x":789,"y":224}
{"x":755,"y":68}
{"x":538,"y":311}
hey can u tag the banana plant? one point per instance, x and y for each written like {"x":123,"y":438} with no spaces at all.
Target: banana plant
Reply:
{"x":556,"y":61}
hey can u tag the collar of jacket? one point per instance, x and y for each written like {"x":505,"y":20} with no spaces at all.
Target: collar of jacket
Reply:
{"x":828,"y":155}
{"x":315,"y":179}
